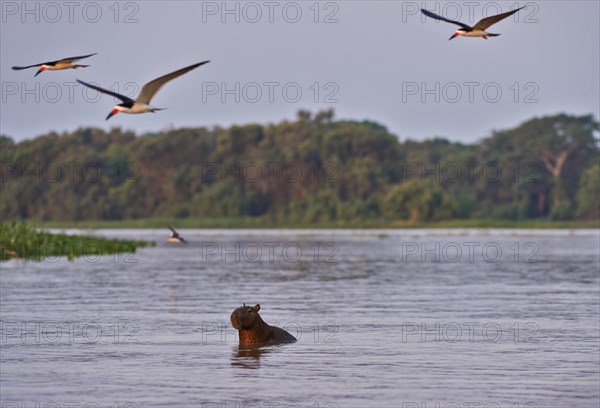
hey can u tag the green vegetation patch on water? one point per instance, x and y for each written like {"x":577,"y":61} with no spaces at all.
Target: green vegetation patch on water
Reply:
{"x":20,"y":240}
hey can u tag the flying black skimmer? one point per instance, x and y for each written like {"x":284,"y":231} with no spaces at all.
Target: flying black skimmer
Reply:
{"x":142,"y":103}
{"x":175,"y":237}
{"x":64,"y":63}
{"x":478,"y":30}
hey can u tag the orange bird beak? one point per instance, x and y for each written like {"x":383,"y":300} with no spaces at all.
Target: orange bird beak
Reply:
{"x":112,"y":112}
{"x":42,"y":69}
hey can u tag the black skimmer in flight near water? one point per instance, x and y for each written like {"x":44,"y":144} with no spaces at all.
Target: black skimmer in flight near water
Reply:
{"x":175,"y":237}
{"x":478,"y":30}
{"x":142,"y":103}
{"x":64,"y":63}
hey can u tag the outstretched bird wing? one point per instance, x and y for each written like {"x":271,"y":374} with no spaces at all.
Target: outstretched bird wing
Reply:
{"x":488,"y":21}
{"x":175,"y":234}
{"x":435,"y":16}
{"x":29,"y":66}
{"x":70,"y":59}
{"x":124,"y":98}
{"x":151,"y":88}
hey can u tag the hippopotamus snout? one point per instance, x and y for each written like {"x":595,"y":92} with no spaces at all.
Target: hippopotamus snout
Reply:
{"x":235,"y":321}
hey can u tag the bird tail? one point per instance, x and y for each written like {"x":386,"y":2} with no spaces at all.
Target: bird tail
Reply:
{"x":493,"y":35}
{"x":80,"y":66}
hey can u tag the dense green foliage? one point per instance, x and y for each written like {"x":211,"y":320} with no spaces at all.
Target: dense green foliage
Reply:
{"x":588,"y":194}
{"x":19,"y":240}
{"x":311,"y":171}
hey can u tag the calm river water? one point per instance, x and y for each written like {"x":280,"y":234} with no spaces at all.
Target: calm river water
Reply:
{"x":398,"y":318}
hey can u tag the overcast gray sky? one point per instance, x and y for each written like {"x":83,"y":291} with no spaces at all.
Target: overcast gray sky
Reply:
{"x":376,"y":60}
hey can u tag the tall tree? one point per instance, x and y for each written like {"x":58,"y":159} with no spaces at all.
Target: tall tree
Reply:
{"x":558,"y":142}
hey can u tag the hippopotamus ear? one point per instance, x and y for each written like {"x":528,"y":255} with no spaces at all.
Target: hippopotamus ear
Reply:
{"x":257,"y":308}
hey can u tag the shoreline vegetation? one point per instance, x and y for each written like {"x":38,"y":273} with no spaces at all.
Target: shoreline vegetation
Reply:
{"x":311,"y":172}
{"x":266,"y":223}
{"x":21,"y":240}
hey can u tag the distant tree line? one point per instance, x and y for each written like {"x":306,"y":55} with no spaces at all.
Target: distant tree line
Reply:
{"x":310,"y":170}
